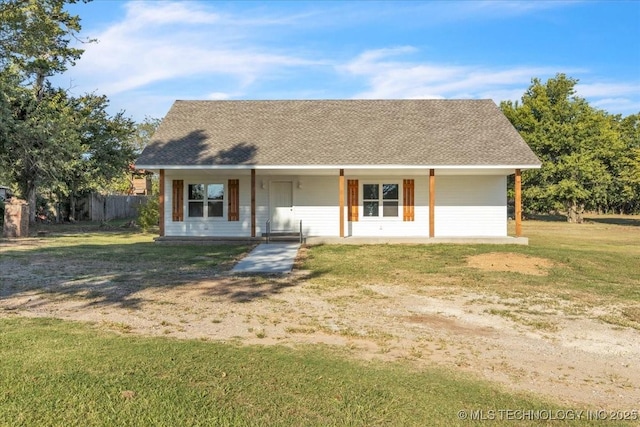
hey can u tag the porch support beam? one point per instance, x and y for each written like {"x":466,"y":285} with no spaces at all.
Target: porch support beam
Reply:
{"x":161,"y":201}
{"x":341,"y":201}
{"x":432,"y":202}
{"x":253,"y":203}
{"x":518,"y":202}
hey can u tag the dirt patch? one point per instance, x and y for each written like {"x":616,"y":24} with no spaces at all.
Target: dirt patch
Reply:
{"x":442,"y":322}
{"x":498,"y":261}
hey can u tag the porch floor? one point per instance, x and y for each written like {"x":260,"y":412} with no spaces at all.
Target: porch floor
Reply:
{"x":508,"y":240}
{"x":316,"y":240}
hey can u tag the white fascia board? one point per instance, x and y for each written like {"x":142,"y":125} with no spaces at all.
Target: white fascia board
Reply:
{"x":333,"y":167}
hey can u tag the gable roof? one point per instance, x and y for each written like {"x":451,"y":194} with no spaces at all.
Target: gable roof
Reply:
{"x":336,"y":133}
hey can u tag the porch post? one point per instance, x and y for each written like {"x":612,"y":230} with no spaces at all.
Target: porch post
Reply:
{"x":161,"y":200}
{"x":253,"y":203}
{"x":341,"y":201}
{"x":432,"y":202}
{"x":518,"y":202}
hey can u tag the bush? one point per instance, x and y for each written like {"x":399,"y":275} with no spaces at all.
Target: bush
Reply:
{"x":149,"y":213}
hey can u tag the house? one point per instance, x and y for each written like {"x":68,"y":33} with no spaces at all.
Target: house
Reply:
{"x":337,"y":168}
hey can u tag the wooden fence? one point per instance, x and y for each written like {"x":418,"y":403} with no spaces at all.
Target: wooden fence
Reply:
{"x":105,"y":208}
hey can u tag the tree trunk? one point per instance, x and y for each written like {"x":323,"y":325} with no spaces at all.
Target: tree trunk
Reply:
{"x":31,"y":199}
{"x":575,"y":212}
{"x":72,"y":207}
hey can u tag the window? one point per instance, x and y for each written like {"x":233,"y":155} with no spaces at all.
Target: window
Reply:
{"x":209,"y":195}
{"x":380,"y":200}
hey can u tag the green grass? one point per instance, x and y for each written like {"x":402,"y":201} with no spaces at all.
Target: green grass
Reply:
{"x":594,"y":262}
{"x":61,"y":373}
{"x":110,"y":265}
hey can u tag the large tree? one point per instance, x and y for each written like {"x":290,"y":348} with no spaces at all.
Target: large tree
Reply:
{"x":48,"y":139}
{"x":35,"y":43}
{"x":104,"y":148}
{"x":579,"y":146}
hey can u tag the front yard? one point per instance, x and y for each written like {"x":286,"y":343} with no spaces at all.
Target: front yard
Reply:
{"x":356,"y":335}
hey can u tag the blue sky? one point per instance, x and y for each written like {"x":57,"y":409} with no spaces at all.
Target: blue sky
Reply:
{"x":150,"y":53}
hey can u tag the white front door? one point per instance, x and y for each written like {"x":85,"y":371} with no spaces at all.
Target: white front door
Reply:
{"x":282,"y":206}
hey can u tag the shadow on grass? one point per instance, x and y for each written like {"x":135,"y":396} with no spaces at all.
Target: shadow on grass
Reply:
{"x":600,"y":219}
{"x":546,"y":218}
{"x":116,"y":274}
{"x":633,"y":222}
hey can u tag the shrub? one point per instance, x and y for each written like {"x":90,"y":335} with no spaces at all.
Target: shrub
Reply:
{"x":149,"y":214}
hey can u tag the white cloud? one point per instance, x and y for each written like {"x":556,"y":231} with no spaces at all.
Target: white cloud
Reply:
{"x":160,"y":41}
{"x":387,"y":77}
{"x":140,"y":14}
{"x":409,"y":79}
{"x":219,"y":96}
{"x":514,"y":7}
{"x":624,"y":105}
{"x":587,"y":90}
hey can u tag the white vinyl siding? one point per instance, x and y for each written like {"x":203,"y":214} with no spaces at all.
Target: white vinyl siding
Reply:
{"x":471,"y":206}
{"x":466,"y":205}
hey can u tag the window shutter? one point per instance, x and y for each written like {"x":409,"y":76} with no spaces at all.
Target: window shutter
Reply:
{"x":408,"y":193}
{"x":352,"y":199}
{"x":177,"y":211}
{"x":233,"y":212}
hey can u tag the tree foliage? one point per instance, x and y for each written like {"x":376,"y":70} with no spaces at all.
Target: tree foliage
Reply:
{"x":585,"y":151}
{"x":143,"y":133}
{"x":149,"y":213}
{"x":49,"y":140}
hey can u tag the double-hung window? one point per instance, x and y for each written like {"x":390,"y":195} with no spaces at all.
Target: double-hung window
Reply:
{"x":206,"y":200}
{"x":380,"y":200}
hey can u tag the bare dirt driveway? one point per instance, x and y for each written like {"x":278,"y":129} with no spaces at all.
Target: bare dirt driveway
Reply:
{"x":551,"y":348}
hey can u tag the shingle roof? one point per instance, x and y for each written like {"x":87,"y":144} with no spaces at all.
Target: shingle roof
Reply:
{"x":336,"y":132}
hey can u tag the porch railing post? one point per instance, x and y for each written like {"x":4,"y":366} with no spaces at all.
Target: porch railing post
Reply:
{"x":268,"y":230}
{"x":301,"y":232}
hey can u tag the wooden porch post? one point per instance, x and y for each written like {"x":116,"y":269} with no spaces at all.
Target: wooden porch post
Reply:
{"x":518,"y":202}
{"x":432,"y":202}
{"x":253,"y":203}
{"x":161,"y":200}
{"x":341,"y":201}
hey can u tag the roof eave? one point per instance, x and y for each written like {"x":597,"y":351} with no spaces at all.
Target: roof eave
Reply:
{"x":333,"y":167}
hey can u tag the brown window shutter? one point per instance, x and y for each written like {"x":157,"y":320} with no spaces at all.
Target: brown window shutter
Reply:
{"x":408,"y":192}
{"x":178,"y":200}
{"x":233,"y":212}
{"x":352,"y":199}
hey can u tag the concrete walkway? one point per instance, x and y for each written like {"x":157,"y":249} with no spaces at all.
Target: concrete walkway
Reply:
{"x":272,"y":258}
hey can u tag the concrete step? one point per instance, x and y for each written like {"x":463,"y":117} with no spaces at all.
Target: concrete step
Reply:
{"x":282,"y":236}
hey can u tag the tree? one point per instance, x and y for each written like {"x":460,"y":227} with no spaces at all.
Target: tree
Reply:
{"x":35,"y":38}
{"x":139,"y":138}
{"x":144,"y":132}
{"x":578,"y":146}
{"x":105,"y":148}
{"x":49,"y":140}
